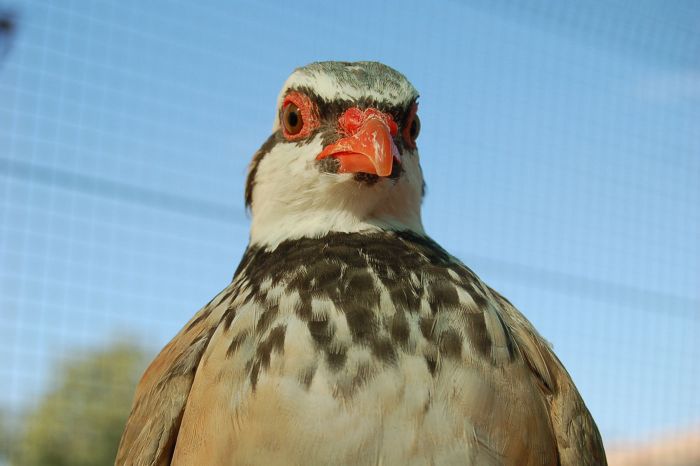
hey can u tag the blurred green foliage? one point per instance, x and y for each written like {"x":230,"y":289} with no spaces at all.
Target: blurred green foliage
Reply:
{"x":6,"y":437}
{"x":80,"y":420}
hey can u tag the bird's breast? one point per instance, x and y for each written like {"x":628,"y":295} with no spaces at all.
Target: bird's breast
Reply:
{"x":386,"y":358}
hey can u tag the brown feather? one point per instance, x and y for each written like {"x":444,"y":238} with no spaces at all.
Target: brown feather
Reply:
{"x":152,"y":428}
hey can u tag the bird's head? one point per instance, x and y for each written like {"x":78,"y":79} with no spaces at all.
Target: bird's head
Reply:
{"x":342,"y":155}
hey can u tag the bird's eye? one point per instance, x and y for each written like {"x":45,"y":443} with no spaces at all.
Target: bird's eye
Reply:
{"x":298,"y":116}
{"x":292,"y":119}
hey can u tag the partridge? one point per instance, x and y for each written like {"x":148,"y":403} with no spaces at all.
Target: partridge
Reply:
{"x":348,"y":336}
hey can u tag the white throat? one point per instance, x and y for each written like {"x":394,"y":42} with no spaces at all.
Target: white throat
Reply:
{"x":270,"y":232}
{"x":292,"y":199}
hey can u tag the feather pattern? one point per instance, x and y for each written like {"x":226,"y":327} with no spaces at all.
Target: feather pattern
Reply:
{"x":347,"y":336}
{"x":383,"y":349}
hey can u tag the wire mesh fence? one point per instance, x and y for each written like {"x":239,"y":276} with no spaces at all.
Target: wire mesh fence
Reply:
{"x":560,"y":145}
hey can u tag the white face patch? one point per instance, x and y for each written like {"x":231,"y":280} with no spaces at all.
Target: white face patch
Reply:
{"x":293,"y":198}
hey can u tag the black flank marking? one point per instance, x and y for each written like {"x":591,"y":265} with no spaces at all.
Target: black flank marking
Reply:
{"x":450,"y":344}
{"x":478,"y":335}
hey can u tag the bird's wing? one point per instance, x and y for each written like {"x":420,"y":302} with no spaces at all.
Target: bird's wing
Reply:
{"x":153,"y":425}
{"x":578,"y":440}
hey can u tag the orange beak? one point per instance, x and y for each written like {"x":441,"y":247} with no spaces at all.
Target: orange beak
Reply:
{"x":369,"y":150}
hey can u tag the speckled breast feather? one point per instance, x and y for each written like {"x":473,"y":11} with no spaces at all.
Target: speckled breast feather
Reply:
{"x":392,"y":290}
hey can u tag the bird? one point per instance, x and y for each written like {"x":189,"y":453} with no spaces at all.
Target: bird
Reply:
{"x":347,"y":335}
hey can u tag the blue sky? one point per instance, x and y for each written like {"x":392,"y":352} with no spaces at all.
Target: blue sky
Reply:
{"x":560,"y":143}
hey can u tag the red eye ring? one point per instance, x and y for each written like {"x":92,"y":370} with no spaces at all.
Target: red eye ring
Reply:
{"x":298,"y":116}
{"x":411,"y":127}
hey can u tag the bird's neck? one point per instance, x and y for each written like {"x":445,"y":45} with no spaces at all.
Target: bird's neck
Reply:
{"x":269,"y":230}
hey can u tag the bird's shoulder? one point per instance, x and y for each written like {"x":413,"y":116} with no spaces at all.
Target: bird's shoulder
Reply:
{"x":162,"y":393}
